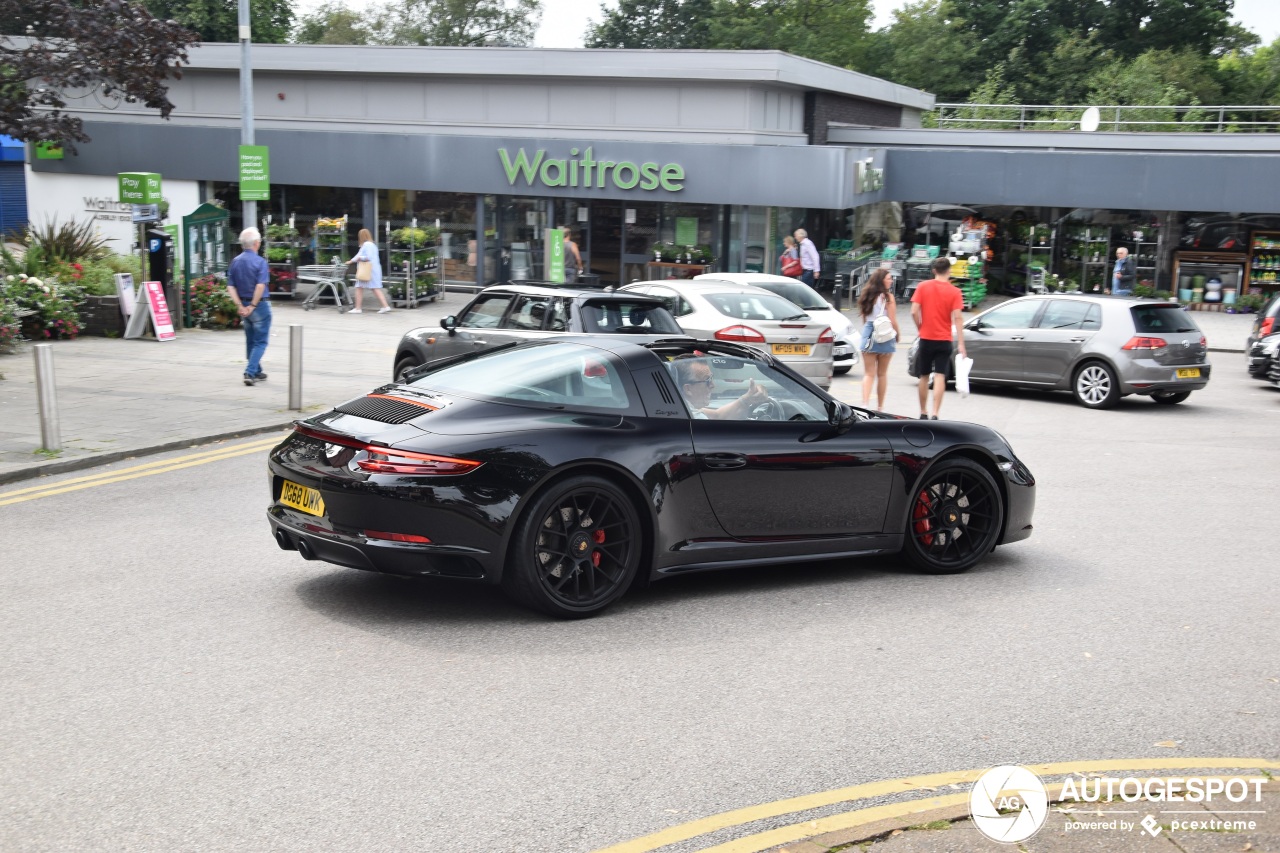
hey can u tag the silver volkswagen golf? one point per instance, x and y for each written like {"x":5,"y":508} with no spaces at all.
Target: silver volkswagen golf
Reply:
{"x":1100,"y":348}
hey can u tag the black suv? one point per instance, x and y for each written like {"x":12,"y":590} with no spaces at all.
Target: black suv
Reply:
{"x":515,"y":313}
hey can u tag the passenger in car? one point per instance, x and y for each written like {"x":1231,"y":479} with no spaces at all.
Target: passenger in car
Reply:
{"x":693,"y":375}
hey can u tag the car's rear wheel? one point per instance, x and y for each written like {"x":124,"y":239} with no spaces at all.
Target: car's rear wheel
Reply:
{"x":576,"y":549}
{"x":1170,"y":398}
{"x":955,"y":519}
{"x":403,"y":366}
{"x":1095,"y":386}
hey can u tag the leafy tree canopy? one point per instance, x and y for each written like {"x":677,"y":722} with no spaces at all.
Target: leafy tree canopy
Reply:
{"x":218,"y":20}
{"x":655,"y":24}
{"x":66,"y":51}
{"x":459,"y":23}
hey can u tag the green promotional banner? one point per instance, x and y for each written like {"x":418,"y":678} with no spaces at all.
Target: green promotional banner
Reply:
{"x":686,"y":231}
{"x":139,"y":187}
{"x":48,"y":151}
{"x":255,"y":173}
{"x":555,"y":255}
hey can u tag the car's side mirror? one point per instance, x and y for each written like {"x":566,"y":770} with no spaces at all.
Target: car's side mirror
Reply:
{"x":974,"y":325}
{"x":449,"y":323}
{"x":841,"y":416}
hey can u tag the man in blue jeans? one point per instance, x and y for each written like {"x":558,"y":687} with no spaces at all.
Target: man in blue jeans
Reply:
{"x":247,"y":279}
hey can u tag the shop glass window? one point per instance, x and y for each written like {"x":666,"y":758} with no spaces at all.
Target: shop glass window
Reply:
{"x":1065,"y":314}
{"x":529,"y":313}
{"x":486,"y":312}
{"x":1014,"y":315}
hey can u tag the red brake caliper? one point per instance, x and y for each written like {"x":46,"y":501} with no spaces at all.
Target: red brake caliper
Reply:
{"x":921,"y":513}
{"x":598,"y":536}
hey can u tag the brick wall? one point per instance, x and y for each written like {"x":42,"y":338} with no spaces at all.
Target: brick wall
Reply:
{"x":820,"y":108}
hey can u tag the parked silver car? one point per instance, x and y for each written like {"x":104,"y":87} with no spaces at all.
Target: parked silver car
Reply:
{"x":724,"y":311}
{"x":1100,"y":348}
{"x":517,"y":313}
{"x":845,"y":349}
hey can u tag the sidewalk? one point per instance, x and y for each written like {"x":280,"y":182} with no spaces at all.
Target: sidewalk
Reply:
{"x":119,"y":398}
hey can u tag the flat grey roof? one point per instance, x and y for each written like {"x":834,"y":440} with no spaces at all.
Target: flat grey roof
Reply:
{"x":1063,"y":140}
{"x":750,"y":66}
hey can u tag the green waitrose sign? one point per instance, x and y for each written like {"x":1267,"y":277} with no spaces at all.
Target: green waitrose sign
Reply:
{"x":586,"y":172}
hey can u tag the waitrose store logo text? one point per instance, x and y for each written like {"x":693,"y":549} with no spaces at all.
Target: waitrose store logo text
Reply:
{"x":586,"y":172}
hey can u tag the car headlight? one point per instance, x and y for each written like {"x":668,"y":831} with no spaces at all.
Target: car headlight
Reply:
{"x":1270,"y":349}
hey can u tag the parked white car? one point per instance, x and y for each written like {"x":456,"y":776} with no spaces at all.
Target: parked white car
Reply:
{"x":848,"y":344}
{"x":725,"y":311}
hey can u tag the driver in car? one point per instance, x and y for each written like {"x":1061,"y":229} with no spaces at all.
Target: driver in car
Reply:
{"x":694,"y":376}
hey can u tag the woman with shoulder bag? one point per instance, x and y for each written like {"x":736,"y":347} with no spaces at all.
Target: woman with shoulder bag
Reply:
{"x":791,"y":266}
{"x":879,"y":314}
{"x":368,"y":272}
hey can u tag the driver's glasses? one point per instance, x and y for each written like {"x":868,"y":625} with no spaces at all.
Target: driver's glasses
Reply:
{"x":708,"y":382}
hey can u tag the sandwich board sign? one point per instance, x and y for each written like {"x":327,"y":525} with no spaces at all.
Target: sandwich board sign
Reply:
{"x":152,"y":307}
{"x":128,"y":297}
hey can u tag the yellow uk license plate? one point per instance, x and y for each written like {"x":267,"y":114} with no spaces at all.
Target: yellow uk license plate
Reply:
{"x":301,"y":497}
{"x":1188,"y":373}
{"x":790,"y":349}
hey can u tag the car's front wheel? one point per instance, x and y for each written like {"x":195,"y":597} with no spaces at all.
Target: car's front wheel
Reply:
{"x":1095,"y":386}
{"x":955,"y":518}
{"x":1170,"y":398}
{"x":576,"y":549}
{"x":403,"y":366}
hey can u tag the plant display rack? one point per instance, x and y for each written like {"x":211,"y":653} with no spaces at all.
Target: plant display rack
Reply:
{"x":281,"y":251}
{"x":413,"y":264}
{"x":1087,"y":256}
{"x":331,"y":240}
{"x":1263,"y":269}
{"x":1030,"y":249}
{"x":1144,"y":250}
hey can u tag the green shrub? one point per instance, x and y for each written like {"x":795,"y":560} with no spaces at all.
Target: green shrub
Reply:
{"x":49,"y":308}
{"x":211,"y":307}
{"x":68,"y":242}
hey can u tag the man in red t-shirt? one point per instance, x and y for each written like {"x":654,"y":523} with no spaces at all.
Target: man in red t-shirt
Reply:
{"x":936,"y":308}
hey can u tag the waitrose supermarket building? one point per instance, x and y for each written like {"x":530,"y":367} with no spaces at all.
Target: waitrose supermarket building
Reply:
{"x":722,"y":150}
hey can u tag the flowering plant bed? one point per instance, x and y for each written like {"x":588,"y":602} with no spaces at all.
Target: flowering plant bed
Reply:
{"x":211,"y":307}
{"x":46,"y":309}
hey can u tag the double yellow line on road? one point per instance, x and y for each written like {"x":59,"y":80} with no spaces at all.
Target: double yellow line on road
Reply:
{"x":119,"y":475}
{"x":760,"y":841}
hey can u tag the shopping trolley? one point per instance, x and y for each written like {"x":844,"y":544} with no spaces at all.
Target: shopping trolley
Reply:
{"x":325,"y":279}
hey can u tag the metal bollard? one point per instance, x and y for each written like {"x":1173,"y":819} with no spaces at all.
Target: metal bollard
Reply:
{"x":50,"y":437}
{"x":295,"y":367}
{"x":839,"y":289}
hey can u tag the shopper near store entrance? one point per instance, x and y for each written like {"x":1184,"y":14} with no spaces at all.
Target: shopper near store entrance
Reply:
{"x":247,"y":278}
{"x":368,"y":272}
{"x":876,"y":300}
{"x":936,"y":308}
{"x":790,"y":259}
{"x":810,"y":260}
{"x":572,"y":257}
{"x":1122,"y":276}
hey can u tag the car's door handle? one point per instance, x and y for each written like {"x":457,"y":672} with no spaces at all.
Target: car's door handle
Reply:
{"x":1077,"y":340}
{"x":722,"y":461}
{"x":1016,"y":337}
{"x":478,"y":342}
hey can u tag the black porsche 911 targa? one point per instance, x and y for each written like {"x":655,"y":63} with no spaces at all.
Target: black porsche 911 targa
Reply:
{"x":566,"y":469}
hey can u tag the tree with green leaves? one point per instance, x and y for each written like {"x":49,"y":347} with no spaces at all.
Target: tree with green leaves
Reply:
{"x":111,"y":50}
{"x":927,"y":48}
{"x":461,"y":23}
{"x":334,"y":23}
{"x":218,"y":20}
{"x":831,"y":31}
{"x":654,"y":24}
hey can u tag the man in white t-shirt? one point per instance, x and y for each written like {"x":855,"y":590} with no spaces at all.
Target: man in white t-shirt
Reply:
{"x":693,"y":375}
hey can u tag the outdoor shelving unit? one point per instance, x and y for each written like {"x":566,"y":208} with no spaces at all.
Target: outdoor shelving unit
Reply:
{"x":412,"y":270}
{"x":1145,"y":254}
{"x":331,"y":240}
{"x":1037,"y":255}
{"x":1263,"y":269}
{"x":282,"y":242}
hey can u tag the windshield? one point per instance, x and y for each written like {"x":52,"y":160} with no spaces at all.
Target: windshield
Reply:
{"x":799,"y":293}
{"x":1162,"y":318}
{"x":559,"y":375}
{"x":755,"y":306}
{"x":625,"y":316}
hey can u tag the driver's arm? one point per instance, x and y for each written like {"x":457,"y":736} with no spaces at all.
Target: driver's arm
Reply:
{"x":741,"y":407}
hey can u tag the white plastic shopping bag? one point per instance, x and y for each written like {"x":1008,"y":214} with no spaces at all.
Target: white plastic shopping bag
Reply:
{"x":963,"y":365}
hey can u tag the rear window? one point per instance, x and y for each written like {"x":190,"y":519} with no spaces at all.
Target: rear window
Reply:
{"x":560,"y":375}
{"x":753,"y":306}
{"x":1162,"y":318}
{"x":624,"y":316}
{"x":799,"y":293}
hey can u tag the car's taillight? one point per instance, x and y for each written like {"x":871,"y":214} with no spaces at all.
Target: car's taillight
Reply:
{"x":1204,"y":342}
{"x":398,"y":537}
{"x":1139,"y":342}
{"x":827,"y":336}
{"x":386,"y":460}
{"x":740,"y":333}
{"x":1267,"y":324}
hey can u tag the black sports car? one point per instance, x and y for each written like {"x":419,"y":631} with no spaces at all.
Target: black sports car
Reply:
{"x":567,"y":469}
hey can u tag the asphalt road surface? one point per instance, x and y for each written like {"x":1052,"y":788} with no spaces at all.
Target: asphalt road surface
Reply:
{"x":172,"y":681}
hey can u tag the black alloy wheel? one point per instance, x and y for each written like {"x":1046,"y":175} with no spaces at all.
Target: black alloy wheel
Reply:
{"x":403,"y":366}
{"x":1170,"y":398}
{"x":576,"y":549}
{"x":955,"y":519}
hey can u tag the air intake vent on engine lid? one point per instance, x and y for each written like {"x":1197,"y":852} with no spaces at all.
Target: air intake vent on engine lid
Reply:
{"x":662,"y":389}
{"x":389,"y":410}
